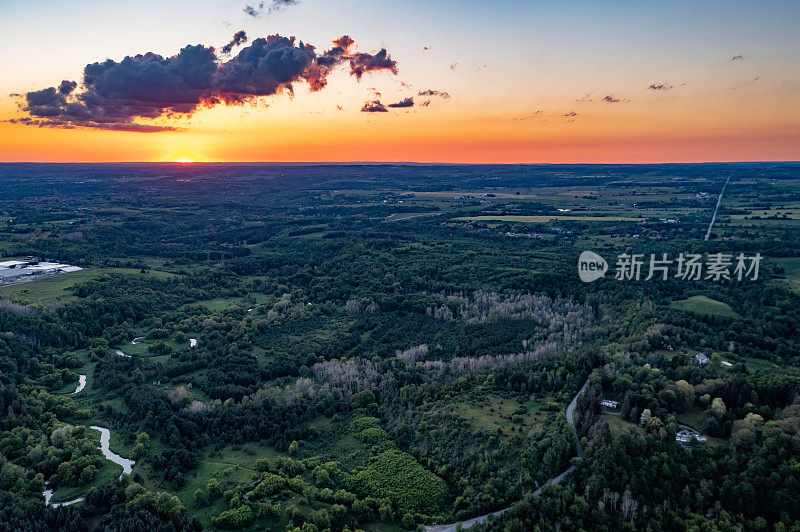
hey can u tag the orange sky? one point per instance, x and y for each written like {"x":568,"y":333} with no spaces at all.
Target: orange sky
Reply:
{"x":511,"y":87}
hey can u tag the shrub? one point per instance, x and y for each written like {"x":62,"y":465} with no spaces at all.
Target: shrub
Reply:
{"x":396,"y":476}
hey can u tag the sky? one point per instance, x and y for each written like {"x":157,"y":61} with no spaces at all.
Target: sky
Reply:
{"x":491,"y":82}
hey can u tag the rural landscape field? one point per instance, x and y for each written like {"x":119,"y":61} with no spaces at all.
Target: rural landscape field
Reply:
{"x":387,"y":347}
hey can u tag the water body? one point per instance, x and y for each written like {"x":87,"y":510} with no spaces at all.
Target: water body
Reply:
{"x":105,"y":440}
{"x":133,"y":342}
{"x":81,"y":384}
{"x":48,"y":494}
{"x":120,"y":353}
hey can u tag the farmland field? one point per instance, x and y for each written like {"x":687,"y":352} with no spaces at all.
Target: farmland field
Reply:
{"x":705,"y":305}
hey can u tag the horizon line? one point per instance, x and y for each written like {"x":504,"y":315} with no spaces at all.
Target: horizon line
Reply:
{"x":407,"y":163}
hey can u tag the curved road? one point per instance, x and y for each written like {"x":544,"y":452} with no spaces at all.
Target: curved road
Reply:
{"x":451,"y":527}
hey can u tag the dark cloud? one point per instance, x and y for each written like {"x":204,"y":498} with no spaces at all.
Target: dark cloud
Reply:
{"x":374,"y":106}
{"x":64,"y":124}
{"x":344,"y":42}
{"x":611,"y":99}
{"x":279,"y":4}
{"x":116,"y":94}
{"x":430,"y":92}
{"x":362,"y":62}
{"x":251,"y":11}
{"x":406,"y":102}
{"x":571,"y":114}
{"x":453,"y":66}
{"x":266,"y":67}
{"x":274,"y":6}
{"x":240,"y":37}
{"x":737,"y":58}
{"x":660,"y":87}
{"x":67,"y":87}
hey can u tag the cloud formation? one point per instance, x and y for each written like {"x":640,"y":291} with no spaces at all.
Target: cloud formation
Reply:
{"x":737,"y":58}
{"x":660,"y":87}
{"x":406,"y":102}
{"x":275,"y":5}
{"x":114,"y":95}
{"x":361,"y":63}
{"x":430,"y":92}
{"x":67,"y":87}
{"x":240,"y":37}
{"x":374,"y":106}
{"x":344,"y":42}
{"x":611,"y":99}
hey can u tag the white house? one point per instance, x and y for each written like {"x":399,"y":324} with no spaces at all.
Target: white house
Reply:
{"x":608,"y":403}
{"x":687,"y":435}
{"x":701,"y":358}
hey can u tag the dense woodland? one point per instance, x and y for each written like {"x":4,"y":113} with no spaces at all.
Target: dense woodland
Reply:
{"x":357,"y":367}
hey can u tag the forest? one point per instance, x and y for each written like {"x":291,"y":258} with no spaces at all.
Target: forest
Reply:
{"x":388,"y":347}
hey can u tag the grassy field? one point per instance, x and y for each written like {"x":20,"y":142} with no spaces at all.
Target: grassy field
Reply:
{"x":502,"y":414}
{"x":409,"y":215}
{"x":108,"y":473}
{"x":617,"y":424}
{"x":54,"y":290}
{"x":791,"y":271}
{"x":232,"y":465}
{"x":226,"y":302}
{"x":142,"y":346}
{"x":705,"y":305}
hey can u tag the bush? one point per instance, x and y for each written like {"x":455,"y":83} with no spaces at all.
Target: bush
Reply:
{"x":234,"y":518}
{"x":396,"y":476}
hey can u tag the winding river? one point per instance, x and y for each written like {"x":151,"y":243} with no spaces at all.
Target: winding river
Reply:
{"x":48,"y":494}
{"x":105,"y":440}
{"x":452,"y":527}
{"x":81,"y":384}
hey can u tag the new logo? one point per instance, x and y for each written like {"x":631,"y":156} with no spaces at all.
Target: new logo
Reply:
{"x":591,"y":266}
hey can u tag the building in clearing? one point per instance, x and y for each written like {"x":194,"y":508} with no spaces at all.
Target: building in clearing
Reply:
{"x":701,"y":358}
{"x":686,"y":435}
{"x":12,"y":271}
{"x":608,"y":403}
